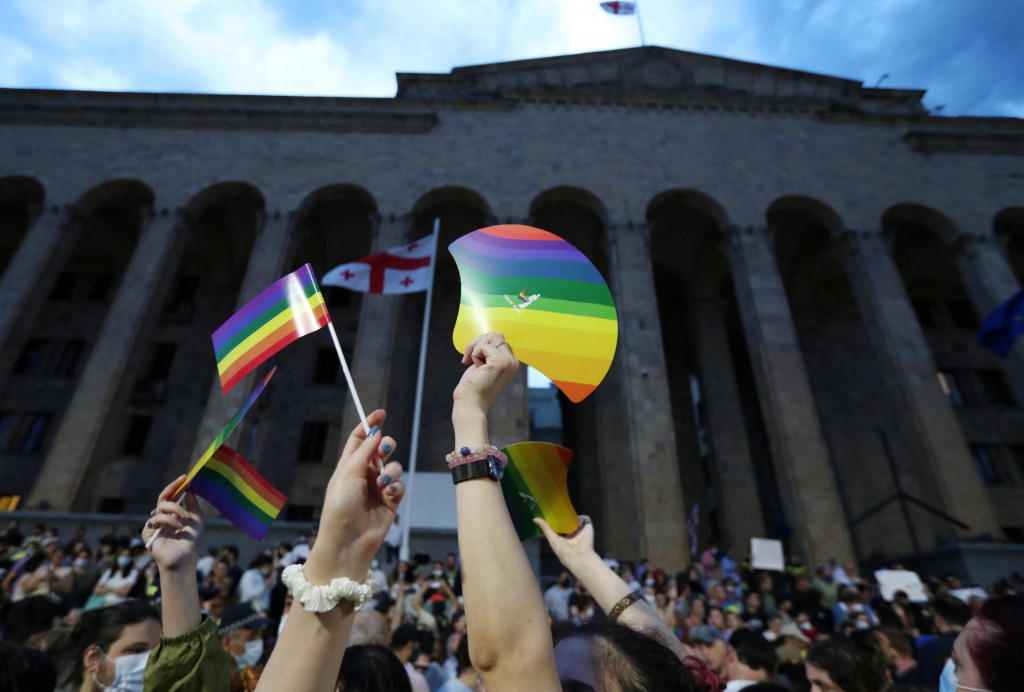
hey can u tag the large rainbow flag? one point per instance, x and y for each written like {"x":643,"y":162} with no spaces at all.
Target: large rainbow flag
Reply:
{"x":229,"y":483}
{"x":545,"y":296}
{"x":289,"y":308}
{"x":534,"y":486}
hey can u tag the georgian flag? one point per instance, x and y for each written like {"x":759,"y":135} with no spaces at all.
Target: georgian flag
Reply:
{"x":404,"y":269}
{"x":619,"y":7}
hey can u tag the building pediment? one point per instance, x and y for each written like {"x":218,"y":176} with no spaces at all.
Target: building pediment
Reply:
{"x":653,"y":71}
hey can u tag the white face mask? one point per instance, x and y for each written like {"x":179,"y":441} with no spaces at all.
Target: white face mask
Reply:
{"x":948,"y":681}
{"x":128,"y":673}
{"x":252,"y":655}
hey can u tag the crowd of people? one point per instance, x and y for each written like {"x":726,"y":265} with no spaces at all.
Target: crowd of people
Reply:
{"x":336,"y":609}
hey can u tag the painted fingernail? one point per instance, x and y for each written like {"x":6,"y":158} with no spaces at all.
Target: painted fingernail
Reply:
{"x":385,"y":479}
{"x":373,"y":431}
{"x":391,"y":490}
{"x":386,"y":448}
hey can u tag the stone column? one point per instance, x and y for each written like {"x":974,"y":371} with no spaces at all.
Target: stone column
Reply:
{"x":24,"y":273}
{"x":731,"y":465}
{"x":989,"y":280}
{"x":806,"y":481}
{"x":646,"y":410}
{"x":910,"y":374}
{"x":71,"y":453}
{"x":370,"y":359}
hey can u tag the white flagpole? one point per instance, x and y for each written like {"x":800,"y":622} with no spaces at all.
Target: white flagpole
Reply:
{"x":403,"y":553}
{"x":352,"y":386}
{"x":640,"y":23}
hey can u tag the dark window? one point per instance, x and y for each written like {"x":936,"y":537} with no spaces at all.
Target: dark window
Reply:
{"x":925,"y":313}
{"x":23,"y":433}
{"x":993,"y":389}
{"x":30,"y":362}
{"x":326,"y":369}
{"x":184,"y":293}
{"x":135,"y":439}
{"x":100,"y":287}
{"x":160,"y":361}
{"x":111,"y":505}
{"x":311,"y":444}
{"x":961,"y":314}
{"x":301,"y":512}
{"x":1014,"y":534}
{"x":337,"y":297}
{"x":64,"y":287}
{"x":66,"y":358}
{"x":983,"y":462}
{"x":952,"y":386}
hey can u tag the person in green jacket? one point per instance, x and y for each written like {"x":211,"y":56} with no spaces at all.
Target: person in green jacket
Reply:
{"x":189,"y":657}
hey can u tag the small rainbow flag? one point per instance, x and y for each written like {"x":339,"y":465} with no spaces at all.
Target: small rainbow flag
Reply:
{"x":545,"y":296}
{"x":534,"y":486}
{"x":228,"y":482}
{"x":289,"y":308}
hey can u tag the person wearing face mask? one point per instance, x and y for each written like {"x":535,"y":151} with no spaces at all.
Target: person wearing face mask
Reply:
{"x":257,"y":582}
{"x":986,"y":654}
{"x":116,"y":582}
{"x":107,"y":649}
{"x":241,"y":636}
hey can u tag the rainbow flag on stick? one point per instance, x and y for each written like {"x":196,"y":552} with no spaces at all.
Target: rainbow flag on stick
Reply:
{"x":534,"y":486}
{"x":223,"y":435}
{"x":289,"y":308}
{"x":545,"y":296}
{"x":229,"y":483}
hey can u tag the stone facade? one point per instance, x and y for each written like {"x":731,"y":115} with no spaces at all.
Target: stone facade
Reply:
{"x":799,"y":262}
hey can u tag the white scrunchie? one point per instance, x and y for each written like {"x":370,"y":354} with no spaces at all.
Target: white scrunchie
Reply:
{"x":320,"y":599}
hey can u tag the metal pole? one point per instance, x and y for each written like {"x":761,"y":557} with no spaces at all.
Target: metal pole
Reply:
{"x":403,"y":553}
{"x":640,"y":24}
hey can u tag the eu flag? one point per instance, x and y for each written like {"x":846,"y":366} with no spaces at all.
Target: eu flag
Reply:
{"x":1004,"y":325}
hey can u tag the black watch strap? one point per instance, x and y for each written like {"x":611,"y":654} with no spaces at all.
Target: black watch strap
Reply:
{"x":481,"y":468}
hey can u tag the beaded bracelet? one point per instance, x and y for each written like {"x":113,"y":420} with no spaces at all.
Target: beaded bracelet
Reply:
{"x":468,"y":454}
{"x":626,"y":601}
{"x":321,"y":598}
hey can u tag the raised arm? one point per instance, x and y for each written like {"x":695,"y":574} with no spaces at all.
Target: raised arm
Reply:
{"x":509,"y":637}
{"x":576,"y":552}
{"x":359,"y":507}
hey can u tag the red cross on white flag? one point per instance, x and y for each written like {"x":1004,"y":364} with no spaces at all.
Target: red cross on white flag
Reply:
{"x":404,"y":269}
{"x":619,"y":7}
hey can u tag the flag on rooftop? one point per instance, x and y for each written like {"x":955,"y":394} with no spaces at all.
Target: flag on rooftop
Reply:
{"x":404,"y":269}
{"x":545,"y":296}
{"x":1003,"y":325}
{"x":289,"y":308}
{"x":622,"y":8}
{"x":534,"y":485}
{"x":230,"y":483}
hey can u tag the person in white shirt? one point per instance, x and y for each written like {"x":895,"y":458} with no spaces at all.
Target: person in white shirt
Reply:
{"x":556,"y":598}
{"x":117,"y":582}
{"x":393,"y":541}
{"x":256,"y":583}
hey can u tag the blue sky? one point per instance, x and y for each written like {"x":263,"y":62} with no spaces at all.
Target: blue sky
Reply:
{"x":968,"y":54}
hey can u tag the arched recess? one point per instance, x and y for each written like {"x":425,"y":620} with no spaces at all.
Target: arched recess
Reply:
{"x":709,"y":375}
{"x":21,"y":199}
{"x":152,"y":423}
{"x":1008,"y":226}
{"x":597,"y":485}
{"x":855,"y":407}
{"x":46,"y":356}
{"x":334,"y":225}
{"x":973,"y":378}
{"x":459,"y":211}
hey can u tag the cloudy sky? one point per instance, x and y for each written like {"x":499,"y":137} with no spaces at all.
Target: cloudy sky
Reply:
{"x":968,"y":53}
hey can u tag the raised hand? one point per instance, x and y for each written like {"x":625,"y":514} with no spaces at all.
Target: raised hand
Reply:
{"x":571,"y":549}
{"x":491,"y":365}
{"x":359,"y":506}
{"x":181,"y":530}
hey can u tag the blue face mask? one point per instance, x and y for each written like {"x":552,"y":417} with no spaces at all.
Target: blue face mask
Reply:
{"x":948,"y":681}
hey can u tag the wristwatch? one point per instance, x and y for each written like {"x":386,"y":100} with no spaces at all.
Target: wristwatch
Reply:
{"x":491,"y":467}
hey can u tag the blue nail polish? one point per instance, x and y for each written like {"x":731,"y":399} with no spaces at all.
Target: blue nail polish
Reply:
{"x":373,"y":431}
{"x":384,"y":480}
{"x":386,"y":448}
{"x":391,"y":490}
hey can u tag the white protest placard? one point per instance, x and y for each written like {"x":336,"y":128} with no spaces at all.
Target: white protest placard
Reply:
{"x":892,"y":580}
{"x":766,"y":553}
{"x":966,"y":595}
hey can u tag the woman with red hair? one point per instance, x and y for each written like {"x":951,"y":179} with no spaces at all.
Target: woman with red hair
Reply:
{"x":987,"y":654}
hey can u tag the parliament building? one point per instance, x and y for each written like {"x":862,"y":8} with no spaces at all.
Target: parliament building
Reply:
{"x":800,"y":264}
